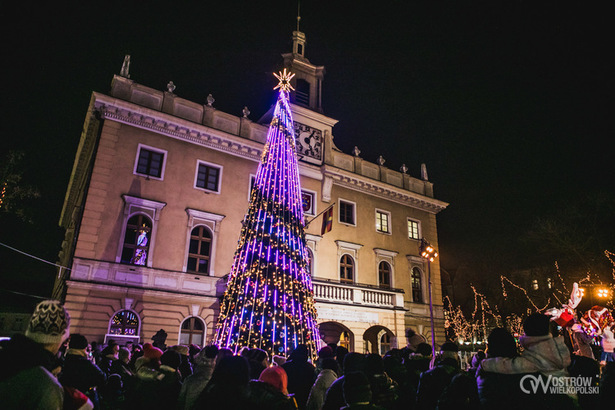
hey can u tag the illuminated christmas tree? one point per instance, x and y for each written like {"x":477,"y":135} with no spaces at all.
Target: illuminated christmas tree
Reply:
{"x":269,"y":302}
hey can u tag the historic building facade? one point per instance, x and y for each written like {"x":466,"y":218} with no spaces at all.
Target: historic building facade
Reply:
{"x":154,"y":206}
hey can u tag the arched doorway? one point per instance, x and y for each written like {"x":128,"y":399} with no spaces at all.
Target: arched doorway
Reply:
{"x":379,"y":340}
{"x":333,"y":332}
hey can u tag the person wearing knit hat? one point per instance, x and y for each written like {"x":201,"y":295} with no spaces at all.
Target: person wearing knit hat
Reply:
{"x":271,"y":390}
{"x":185,"y":367}
{"x":26,"y":380}
{"x":79,"y":372}
{"x":147,"y":365}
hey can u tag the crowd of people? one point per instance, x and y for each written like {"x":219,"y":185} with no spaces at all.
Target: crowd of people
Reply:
{"x":50,"y":368}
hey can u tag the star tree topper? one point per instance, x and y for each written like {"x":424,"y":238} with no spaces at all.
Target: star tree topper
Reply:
{"x":284,"y":79}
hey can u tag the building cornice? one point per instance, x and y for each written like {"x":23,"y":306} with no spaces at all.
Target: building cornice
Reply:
{"x":382,"y":190}
{"x":167,"y":124}
{"x":174,"y":127}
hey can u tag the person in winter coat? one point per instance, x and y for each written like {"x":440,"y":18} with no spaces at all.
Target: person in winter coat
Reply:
{"x":159,"y":389}
{"x":185,"y":367}
{"x":325,"y":378}
{"x":497,"y":390}
{"x":433,"y":382}
{"x":26,"y":381}
{"x":581,"y":342}
{"x":108,"y":355}
{"x":542,"y":352}
{"x":79,"y":372}
{"x":228,"y":387}
{"x":194,"y":385}
{"x":384,"y":389}
{"x":257,"y":360}
{"x":334,"y":398}
{"x":123,"y":368}
{"x":270,"y":391}
{"x":301,"y":374}
{"x":357,"y":392}
{"x":543,"y":356}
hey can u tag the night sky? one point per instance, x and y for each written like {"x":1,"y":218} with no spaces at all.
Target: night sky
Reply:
{"x":510,"y":104}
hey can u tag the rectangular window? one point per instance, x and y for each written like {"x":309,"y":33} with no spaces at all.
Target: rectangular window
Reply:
{"x":413,"y":229}
{"x":208,"y":177}
{"x":347,"y":212}
{"x":150,"y":162}
{"x":382,"y":221}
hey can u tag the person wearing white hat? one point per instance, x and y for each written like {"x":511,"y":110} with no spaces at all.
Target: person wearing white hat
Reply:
{"x":25,"y":379}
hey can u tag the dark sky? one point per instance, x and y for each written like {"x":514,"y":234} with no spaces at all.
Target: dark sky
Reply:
{"x":508,"y":103}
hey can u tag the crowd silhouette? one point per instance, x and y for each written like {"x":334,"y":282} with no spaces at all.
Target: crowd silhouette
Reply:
{"x":49,"y":368}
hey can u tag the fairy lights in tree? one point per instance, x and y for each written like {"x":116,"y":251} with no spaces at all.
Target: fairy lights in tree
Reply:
{"x":269,"y":302}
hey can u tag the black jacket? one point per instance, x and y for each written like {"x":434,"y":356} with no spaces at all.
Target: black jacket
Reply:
{"x":81,"y":373}
{"x":264,"y":396}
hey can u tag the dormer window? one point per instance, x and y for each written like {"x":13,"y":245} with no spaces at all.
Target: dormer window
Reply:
{"x":300,"y":49}
{"x":302,"y":92}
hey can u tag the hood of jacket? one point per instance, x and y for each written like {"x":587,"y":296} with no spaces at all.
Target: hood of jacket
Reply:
{"x":543,"y":354}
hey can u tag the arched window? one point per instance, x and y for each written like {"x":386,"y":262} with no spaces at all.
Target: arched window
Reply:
{"x":136,"y":240}
{"x":199,"y":251}
{"x":346,"y":268}
{"x":384,"y":275}
{"x":310,"y":261}
{"x":192,"y":332}
{"x":124,"y":323}
{"x":417,"y":287}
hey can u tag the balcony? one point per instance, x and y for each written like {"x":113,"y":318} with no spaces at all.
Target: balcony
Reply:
{"x":332,"y":291}
{"x":94,"y":271}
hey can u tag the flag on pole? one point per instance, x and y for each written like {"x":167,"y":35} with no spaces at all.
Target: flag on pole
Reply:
{"x":327,"y":221}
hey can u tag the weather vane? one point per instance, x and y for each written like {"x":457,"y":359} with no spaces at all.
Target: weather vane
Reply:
{"x":284,"y":79}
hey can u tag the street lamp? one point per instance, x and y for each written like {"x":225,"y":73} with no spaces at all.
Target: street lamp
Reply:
{"x":429,"y":253}
{"x":603,"y":293}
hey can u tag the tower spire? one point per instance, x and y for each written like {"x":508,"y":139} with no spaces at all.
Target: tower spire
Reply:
{"x":298,"y":13}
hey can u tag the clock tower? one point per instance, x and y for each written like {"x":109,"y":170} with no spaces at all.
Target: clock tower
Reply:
{"x":313,"y":130}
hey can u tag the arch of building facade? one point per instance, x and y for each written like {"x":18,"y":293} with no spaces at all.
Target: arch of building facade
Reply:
{"x":336,"y":332}
{"x":379,"y":339}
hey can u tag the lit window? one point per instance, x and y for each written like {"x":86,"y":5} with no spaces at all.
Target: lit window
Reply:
{"x":192,"y":332}
{"x":417,"y":287}
{"x":549,"y":283}
{"x":346,"y":268}
{"x":208,"y":177}
{"x":150,"y":162}
{"x":535,"y":284}
{"x":384,"y":275}
{"x":382,"y":222}
{"x":136,"y":240}
{"x":347,"y":212}
{"x":199,"y":251}
{"x":413,"y":229}
{"x":125,"y":323}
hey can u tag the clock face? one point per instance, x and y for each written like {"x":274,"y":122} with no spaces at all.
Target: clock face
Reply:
{"x":308,"y":141}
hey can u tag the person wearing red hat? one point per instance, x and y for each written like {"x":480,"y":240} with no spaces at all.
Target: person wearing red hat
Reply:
{"x":271,"y":390}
